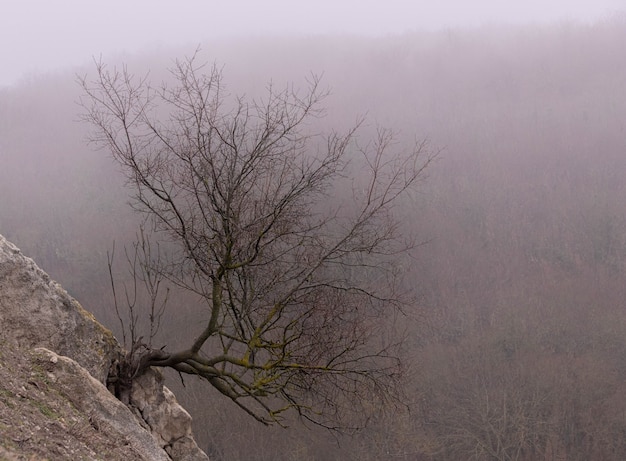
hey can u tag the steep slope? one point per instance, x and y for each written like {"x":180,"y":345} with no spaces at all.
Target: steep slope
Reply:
{"x":54,"y":362}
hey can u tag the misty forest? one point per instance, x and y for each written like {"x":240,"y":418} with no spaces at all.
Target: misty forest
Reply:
{"x":511,"y":333}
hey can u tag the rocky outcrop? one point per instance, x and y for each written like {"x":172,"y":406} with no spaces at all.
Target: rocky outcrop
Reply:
{"x":36,"y":311}
{"x":54,"y":362}
{"x":90,"y":397}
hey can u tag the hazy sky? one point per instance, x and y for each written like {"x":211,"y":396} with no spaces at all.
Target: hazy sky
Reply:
{"x":46,"y":35}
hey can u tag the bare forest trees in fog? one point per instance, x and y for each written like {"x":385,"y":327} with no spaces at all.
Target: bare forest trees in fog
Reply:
{"x":516,"y":348}
{"x":299,"y":285}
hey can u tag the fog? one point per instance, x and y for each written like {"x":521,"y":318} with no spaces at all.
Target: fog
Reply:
{"x":515,"y":343}
{"x":39,"y":36}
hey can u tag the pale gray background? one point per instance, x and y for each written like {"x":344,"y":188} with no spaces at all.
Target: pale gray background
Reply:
{"x":40,"y":36}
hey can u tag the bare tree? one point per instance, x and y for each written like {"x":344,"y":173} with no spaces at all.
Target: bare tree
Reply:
{"x":299,"y":284}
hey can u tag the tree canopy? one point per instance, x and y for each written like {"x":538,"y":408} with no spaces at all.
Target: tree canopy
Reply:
{"x":288,"y":235}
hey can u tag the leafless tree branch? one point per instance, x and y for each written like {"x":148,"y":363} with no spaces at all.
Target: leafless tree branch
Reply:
{"x":298,"y":283}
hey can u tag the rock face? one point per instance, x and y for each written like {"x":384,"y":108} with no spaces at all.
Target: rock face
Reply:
{"x":36,"y":311}
{"x":54,"y":362}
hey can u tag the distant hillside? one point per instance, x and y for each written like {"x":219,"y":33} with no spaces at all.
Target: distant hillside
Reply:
{"x":516,"y":339}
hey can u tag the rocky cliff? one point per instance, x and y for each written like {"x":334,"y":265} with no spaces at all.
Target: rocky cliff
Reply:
{"x":54,"y":362}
